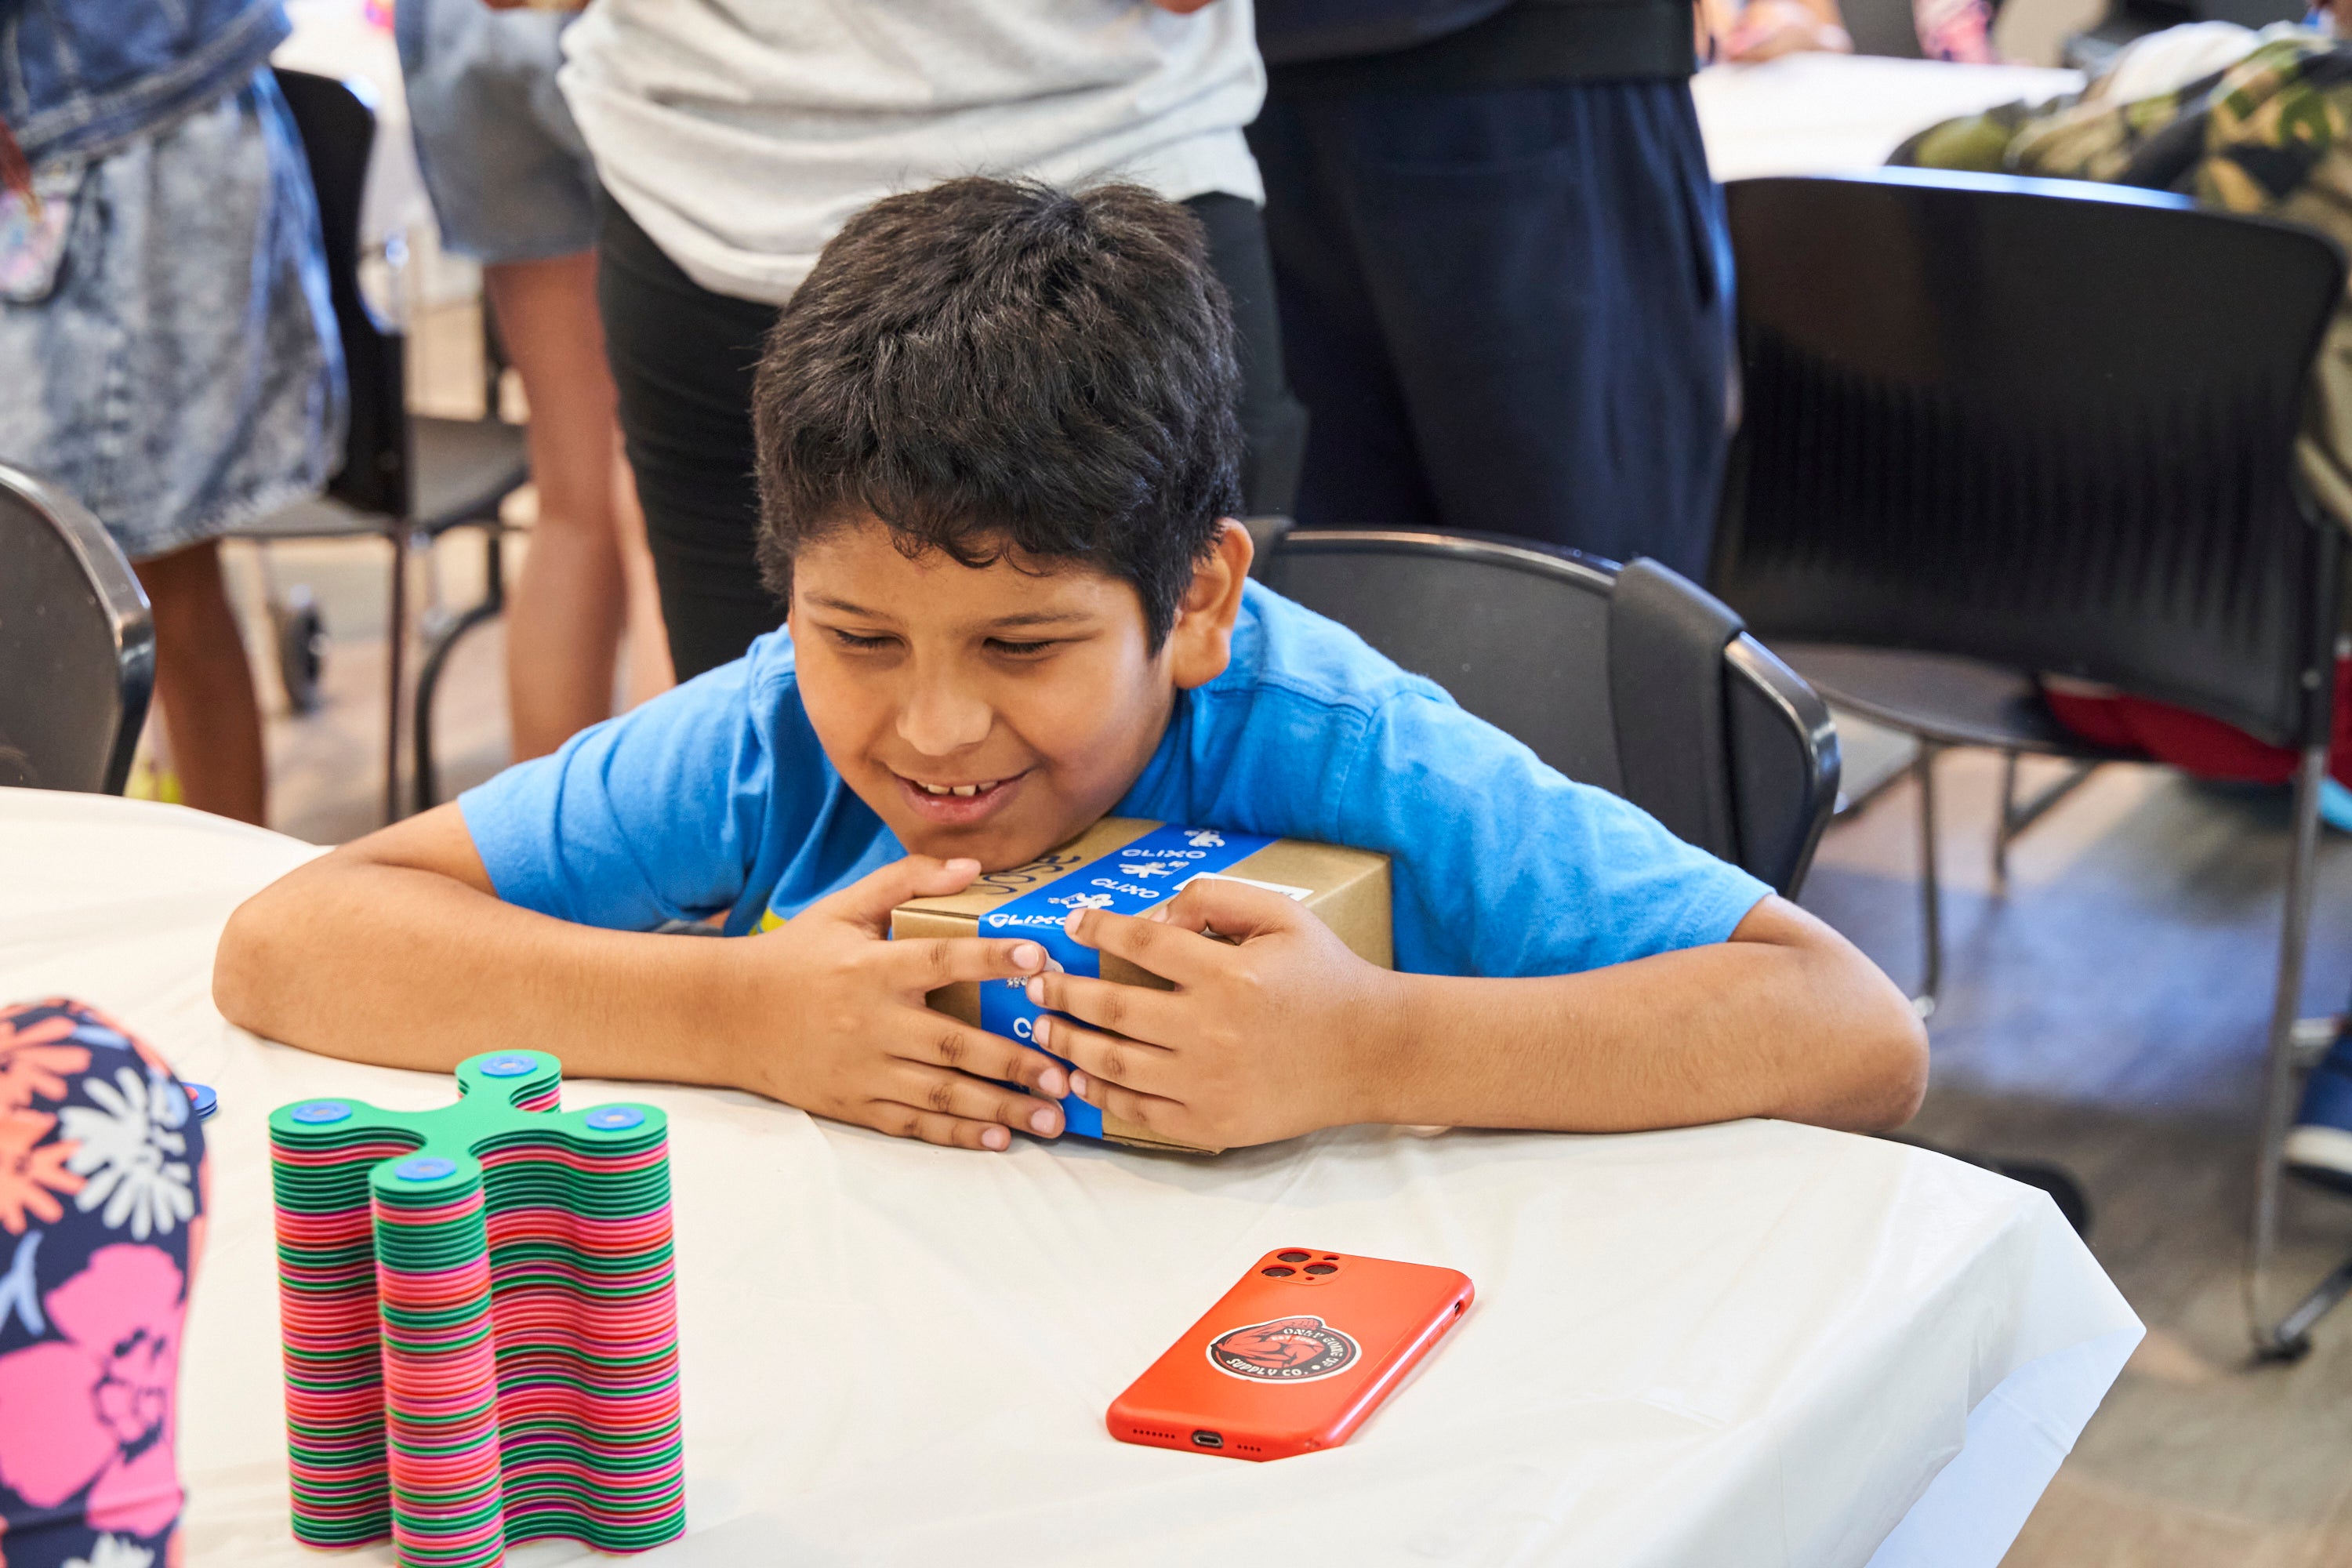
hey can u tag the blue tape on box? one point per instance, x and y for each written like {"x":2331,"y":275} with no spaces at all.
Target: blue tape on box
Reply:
{"x":1128,"y":882}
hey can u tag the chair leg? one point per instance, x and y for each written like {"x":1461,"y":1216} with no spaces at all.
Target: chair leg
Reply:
{"x":1931,"y":899}
{"x":2287,"y":1340}
{"x":395,"y":636}
{"x":2002,"y":831}
{"x":437,"y":656}
{"x":2016,"y":816}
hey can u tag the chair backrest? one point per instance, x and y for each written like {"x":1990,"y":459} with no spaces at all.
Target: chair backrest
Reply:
{"x":77,"y":647}
{"x":2043,"y":423}
{"x":1631,"y":679}
{"x":338,"y":127}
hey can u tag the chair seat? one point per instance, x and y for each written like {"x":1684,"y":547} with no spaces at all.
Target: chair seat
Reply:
{"x":463,"y":468}
{"x":1949,"y":700}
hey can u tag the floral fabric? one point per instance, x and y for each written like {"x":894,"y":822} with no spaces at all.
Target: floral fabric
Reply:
{"x":101,"y":1214}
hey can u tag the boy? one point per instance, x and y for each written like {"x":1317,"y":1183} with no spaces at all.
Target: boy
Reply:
{"x":997,"y":452}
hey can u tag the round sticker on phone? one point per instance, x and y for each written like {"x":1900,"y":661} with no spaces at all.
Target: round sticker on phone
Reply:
{"x":1285,"y":1349}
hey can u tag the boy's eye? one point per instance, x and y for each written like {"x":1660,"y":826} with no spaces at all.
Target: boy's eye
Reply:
{"x":1020,"y":650}
{"x":852,"y":640}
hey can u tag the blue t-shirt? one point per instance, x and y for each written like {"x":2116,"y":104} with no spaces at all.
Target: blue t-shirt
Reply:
{"x":716,"y":796}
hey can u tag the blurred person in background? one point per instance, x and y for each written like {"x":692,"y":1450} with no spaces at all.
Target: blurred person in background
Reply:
{"x":513,"y":187}
{"x":167,"y":348}
{"x":733,"y":141}
{"x":1502,"y":267}
{"x":1957,"y":31}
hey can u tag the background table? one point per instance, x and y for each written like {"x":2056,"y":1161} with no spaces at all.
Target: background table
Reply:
{"x":1753,"y":1344}
{"x":1820,"y":114}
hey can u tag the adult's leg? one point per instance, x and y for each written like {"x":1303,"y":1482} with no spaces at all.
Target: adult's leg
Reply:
{"x":1361,"y":467}
{"x":1547,"y":267}
{"x":564,"y":626}
{"x":204,"y":684}
{"x":682,"y":360}
{"x":1274,"y":424}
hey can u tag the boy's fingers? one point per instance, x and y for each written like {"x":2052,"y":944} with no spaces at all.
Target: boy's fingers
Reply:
{"x":1101,"y":1058}
{"x":1131,"y":1010}
{"x":1233,"y":909}
{"x":968,"y":1099}
{"x":932,"y":1126}
{"x":928,"y":963}
{"x":1149,"y":1111}
{"x":1173,"y":954}
{"x":867,"y":902}
{"x":941,"y":1040}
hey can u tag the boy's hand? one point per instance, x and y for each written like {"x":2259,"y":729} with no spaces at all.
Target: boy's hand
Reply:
{"x":1283,"y":1034}
{"x":836,"y":1022}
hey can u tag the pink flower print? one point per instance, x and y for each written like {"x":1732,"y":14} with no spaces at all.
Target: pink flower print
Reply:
{"x":93,"y":1407}
{"x":32,"y":1062}
{"x":32,"y":1174}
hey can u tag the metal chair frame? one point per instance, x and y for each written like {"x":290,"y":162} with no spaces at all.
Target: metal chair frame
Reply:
{"x":377,"y":490}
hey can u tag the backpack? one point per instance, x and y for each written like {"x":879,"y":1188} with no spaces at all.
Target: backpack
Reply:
{"x":1290,"y":32}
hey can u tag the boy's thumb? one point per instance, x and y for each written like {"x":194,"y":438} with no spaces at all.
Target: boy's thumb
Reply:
{"x":869,"y":900}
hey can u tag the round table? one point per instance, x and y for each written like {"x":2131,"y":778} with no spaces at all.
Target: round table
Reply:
{"x":1751,"y":1344}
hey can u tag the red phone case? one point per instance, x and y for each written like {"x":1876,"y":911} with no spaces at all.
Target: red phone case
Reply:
{"x":1293,"y":1358}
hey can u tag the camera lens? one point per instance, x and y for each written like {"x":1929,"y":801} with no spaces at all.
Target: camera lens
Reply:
{"x":1293,"y":1257}
{"x":1322,"y":1269}
{"x":1277,"y":1272}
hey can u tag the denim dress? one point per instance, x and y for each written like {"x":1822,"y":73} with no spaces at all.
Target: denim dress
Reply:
{"x":168,"y":351}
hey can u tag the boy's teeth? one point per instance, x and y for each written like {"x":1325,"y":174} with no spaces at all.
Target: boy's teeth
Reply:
{"x":966,"y":790}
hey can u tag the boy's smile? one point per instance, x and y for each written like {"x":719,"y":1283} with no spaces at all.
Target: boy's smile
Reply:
{"x":992,"y":711}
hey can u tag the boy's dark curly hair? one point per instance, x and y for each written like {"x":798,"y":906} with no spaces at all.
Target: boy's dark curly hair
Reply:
{"x":998,"y":369}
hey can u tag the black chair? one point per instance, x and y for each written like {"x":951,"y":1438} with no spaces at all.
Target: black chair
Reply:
{"x":1626,"y":678}
{"x":1997,"y":426}
{"x":404,"y":476}
{"x":77,"y":646}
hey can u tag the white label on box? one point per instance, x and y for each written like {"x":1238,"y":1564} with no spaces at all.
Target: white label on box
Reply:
{"x":1295,"y":895}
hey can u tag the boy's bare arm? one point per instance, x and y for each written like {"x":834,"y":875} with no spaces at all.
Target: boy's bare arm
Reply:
{"x":393,"y":949}
{"x":1289,"y":1031}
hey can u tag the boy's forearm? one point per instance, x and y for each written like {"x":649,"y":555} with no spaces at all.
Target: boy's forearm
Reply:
{"x":409,"y":968}
{"x":1710,"y":1034}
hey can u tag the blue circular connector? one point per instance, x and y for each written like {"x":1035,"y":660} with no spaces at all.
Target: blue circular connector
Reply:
{"x":423,"y":1168}
{"x":613,"y":1118}
{"x":509,"y":1066}
{"x":319,"y":1112}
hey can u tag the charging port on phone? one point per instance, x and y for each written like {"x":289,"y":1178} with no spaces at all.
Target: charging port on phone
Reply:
{"x":1210,"y":1439}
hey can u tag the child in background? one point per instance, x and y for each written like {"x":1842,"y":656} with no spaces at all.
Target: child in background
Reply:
{"x":102,"y":1219}
{"x":513,"y":187}
{"x":168,"y":352}
{"x":998,"y":459}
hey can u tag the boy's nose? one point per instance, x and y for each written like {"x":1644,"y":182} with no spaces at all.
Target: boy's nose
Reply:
{"x":938,"y":720}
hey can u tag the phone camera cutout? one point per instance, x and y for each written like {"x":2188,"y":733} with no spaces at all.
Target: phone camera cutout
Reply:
{"x":1293,"y":1257}
{"x":1277,"y":1272}
{"x":1322,"y":1269}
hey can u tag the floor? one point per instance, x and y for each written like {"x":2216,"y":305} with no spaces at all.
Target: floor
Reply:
{"x":2104,"y":1009}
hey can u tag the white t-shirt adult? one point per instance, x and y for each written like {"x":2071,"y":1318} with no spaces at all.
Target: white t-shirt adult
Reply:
{"x":740,"y":134}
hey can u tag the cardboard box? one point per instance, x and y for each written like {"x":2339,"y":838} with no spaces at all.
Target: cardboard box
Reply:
{"x":1129,"y":864}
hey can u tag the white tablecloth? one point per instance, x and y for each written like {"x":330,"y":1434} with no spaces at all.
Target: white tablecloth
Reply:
{"x":1822,"y":114}
{"x":1755,"y":1344}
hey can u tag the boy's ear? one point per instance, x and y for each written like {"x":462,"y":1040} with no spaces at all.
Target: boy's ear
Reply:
{"x":1200,"y":643}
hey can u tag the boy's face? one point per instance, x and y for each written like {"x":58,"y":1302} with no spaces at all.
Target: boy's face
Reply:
{"x":993,"y":712}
